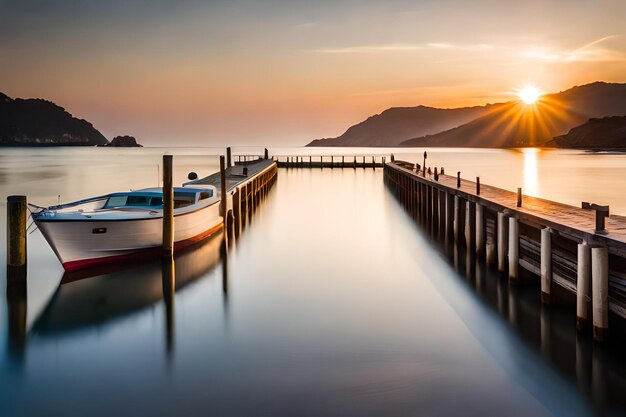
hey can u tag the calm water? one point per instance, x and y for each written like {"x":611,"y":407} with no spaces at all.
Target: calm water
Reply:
{"x":332,"y":302}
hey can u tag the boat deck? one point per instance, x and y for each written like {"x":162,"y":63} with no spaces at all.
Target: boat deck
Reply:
{"x":234,"y":175}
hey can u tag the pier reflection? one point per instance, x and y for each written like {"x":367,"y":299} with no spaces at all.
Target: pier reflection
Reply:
{"x":81,"y":302}
{"x":597,"y":371}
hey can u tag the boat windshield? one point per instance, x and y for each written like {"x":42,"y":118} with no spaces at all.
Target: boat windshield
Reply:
{"x":134,"y":201}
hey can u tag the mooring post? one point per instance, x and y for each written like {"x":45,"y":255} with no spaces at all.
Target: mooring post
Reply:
{"x":470,"y":227}
{"x":491,"y":244}
{"x":599,"y":292}
{"x":480,"y":230}
{"x":457,"y":217}
{"x":222,"y":190}
{"x":237,"y":211}
{"x":343,"y":161}
{"x":519,"y":197}
{"x":546,"y":264}
{"x":228,"y":157}
{"x":449,"y":215}
{"x":477,"y":185}
{"x":16,"y":232}
{"x":513,"y":249}
{"x":168,"y":206}
{"x":502,"y":242}
{"x":267,"y":154}
{"x":458,"y":179}
{"x":582,"y":285}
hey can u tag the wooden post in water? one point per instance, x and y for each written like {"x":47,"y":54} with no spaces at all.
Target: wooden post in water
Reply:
{"x":354,"y":164}
{"x":435,"y":216}
{"x":546,"y":265}
{"x":267,"y":154}
{"x":480,"y":230}
{"x":223,"y":190}
{"x":343,"y":161}
{"x":599,"y":292}
{"x":470,"y":227}
{"x":237,"y":211}
{"x":168,"y":206}
{"x":16,"y":232}
{"x":477,"y":185}
{"x":503,"y":238}
{"x":457,"y":217}
{"x":582,"y":285}
{"x":519,"y":197}
{"x":458,"y":179}
{"x":229,"y":156}
{"x":513,"y":249}
{"x":449,"y":215}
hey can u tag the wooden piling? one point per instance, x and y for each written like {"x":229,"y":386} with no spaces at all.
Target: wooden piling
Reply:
{"x":480,"y":230}
{"x":267,"y":154}
{"x":599,"y":292}
{"x":470,"y":227}
{"x":458,"y":179}
{"x":16,"y":231}
{"x":503,"y":238}
{"x":519,"y":197}
{"x":237,"y":211}
{"x":582,"y":285}
{"x":513,"y":249}
{"x":546,"y":265}
{"x":477,"y":185}
{"x":223,"y":191}
{"x":168,"y":206}
{"x":450,"y":215}
{"x":457,"y":217}
{"x":228,"y":157}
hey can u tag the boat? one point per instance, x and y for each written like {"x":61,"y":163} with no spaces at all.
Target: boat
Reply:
{"x":126,"y":226}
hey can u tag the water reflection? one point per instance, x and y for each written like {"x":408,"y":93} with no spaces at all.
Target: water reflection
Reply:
{"x":101,"y":299}
{"x":531,"y":173}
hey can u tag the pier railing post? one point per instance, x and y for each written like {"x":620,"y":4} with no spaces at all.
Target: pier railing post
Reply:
{"x":168,"y":206}
{"x":582,"y":285}
{"x":546,"y":264}
{"x":599,"y":292}
{"x":519,"y":197}
{"x":267,"y":154}
{"x":458,"y":179}
{"x":477,"y":185}
{"x":228,"y":157}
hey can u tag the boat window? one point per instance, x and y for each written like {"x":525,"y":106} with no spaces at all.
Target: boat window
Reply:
{"x":117,"y":201}
{"x":204,"y":195}
{"x":184,"y":199}
{"x":138,"y":200}
{"x":156,"y":201}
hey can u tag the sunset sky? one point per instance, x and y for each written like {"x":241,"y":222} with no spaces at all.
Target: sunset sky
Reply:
{"x":247,"y":72}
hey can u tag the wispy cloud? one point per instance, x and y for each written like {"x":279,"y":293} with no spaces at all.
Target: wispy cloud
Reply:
{"x":404,"y":48}
{"x":591,"y":52}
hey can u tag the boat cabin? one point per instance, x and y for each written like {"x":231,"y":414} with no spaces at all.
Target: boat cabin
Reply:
{"x":153,"y":198}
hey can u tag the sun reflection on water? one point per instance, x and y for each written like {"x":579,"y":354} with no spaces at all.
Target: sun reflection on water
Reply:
{"x":531,"y":177}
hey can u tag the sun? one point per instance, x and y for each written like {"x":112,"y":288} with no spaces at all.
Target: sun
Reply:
{"x":529,"y":94}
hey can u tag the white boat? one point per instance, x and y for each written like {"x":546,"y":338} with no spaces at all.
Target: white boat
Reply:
{"x":126,"y":226}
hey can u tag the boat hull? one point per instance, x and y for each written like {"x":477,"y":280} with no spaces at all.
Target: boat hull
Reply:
{"x":85,"y":243}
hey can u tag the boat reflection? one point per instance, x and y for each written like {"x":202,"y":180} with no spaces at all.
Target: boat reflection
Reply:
{"x":81,"y":302}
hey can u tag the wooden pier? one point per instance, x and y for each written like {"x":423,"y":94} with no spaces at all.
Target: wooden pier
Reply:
{"x":581,"y":249}
{"x":242,"y":187}
{"x":331,"y":161}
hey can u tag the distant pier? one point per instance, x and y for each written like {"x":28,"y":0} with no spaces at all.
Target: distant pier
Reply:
{"x":581,"y":249}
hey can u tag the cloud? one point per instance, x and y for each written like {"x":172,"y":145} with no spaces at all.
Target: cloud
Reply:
{"x":404,"y":48}
{"x":590,"y":52}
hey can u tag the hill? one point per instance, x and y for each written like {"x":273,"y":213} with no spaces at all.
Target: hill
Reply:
{"x":397,"y":124}
{"x":605,"y":133}
{"x":36,"y":122}
{"x":515,"y":124}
